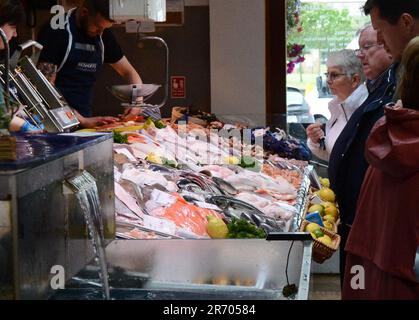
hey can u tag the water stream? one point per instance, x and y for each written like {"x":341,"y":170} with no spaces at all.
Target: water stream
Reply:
{"x":88,"y":197}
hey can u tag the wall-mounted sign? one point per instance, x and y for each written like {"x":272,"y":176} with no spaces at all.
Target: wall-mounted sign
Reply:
{"x":178,"y":87}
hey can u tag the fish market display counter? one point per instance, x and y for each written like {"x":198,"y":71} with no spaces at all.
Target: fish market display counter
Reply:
{"x":169,"y":185}
{"x":276,"y":268}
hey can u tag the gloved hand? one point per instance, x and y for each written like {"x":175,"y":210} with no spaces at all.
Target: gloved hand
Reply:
{"x":30,"y":128}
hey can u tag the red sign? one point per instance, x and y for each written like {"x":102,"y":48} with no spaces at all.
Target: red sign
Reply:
{"x":178,"y":87}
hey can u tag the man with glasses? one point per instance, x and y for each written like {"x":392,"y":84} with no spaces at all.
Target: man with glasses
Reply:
{"x":347,"y":164}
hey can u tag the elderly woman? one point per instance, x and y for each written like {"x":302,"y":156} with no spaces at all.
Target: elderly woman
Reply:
{"x":346,"y":81}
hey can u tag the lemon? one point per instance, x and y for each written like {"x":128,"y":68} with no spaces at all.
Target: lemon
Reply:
{"x":316,"y":207}
{"x":311,"y":227}
{"x":325,"y":240}
{"x":327,"y":194}
{"x":325,"y":182}
{"x":231,"y":160}
{"x":331,"y":211}
{"x":152,"y":157}
{"x":329,"y":218}
{"x":216,"y":228}
{"x":328,"y":225}
{"x":317,"y":234}
{"x":327,"y":204}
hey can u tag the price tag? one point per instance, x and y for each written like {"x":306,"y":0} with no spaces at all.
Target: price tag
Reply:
{"x":157,"y":224}
{"x":162,"y":198}
{"x":316,"y":200}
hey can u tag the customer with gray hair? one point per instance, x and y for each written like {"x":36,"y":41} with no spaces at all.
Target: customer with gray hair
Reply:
{"x":346,"y":81}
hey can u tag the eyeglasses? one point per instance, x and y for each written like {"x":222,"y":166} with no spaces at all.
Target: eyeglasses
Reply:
{"x":366,"y":47}
{"x":332,"y":76}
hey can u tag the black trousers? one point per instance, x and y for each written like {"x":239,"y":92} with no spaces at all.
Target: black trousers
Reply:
{"x":343,"y":231}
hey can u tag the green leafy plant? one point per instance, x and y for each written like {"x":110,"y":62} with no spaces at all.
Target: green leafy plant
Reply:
{"x":157,"y":123}
{"x":242,"y":229}
{"x":120,"y":138}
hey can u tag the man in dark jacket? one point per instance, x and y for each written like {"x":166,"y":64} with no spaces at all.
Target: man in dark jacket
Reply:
{"x":347,"y":163}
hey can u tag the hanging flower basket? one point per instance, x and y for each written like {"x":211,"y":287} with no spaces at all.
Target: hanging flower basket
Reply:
{"x":295,"y":55}
{"x":294,"y":50}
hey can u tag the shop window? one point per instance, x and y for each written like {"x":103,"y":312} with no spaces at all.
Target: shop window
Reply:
{"x":321,"y":27}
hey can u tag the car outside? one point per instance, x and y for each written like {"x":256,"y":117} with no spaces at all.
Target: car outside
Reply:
{"x":298,"y":110}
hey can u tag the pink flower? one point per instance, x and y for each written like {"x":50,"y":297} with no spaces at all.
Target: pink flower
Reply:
{"x":300,"y":59}
{"x":294,"y":50}
{"x":290,"y":67}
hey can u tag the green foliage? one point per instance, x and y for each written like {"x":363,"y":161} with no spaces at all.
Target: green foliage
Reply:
{"x":293,"y":9}
{"x":242,"y":229}
{"x":120,"y":138}
{"x":325,"y":28}
{"x":157,"y":123}
{"x":170,"y":163}
{"x":250,"y":163}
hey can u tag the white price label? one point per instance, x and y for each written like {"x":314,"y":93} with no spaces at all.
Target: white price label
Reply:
{"x":162,"y":198}
{"x":160,"y":225}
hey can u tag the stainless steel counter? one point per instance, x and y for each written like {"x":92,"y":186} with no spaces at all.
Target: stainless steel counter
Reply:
{"x":41,"y":224}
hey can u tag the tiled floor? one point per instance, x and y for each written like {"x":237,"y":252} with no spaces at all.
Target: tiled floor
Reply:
{"x":325,"y":287}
